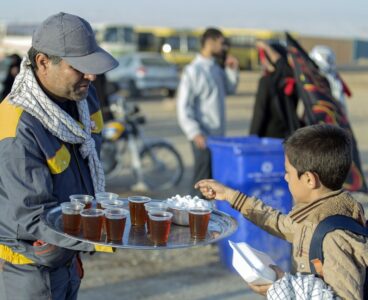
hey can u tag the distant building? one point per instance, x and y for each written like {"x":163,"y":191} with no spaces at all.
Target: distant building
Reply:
{"x":348,"y":51}
{"x":16,"y":38}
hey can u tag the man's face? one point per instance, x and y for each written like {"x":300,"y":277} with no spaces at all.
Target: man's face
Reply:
{"x":65,"y":82}
{"x":217,"y":46}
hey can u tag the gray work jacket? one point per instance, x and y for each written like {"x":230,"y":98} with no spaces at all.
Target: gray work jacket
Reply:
{"x":38,"y":171}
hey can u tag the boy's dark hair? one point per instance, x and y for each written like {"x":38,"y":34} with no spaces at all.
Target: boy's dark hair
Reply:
{"x":322,"y":149}
{"x":210,"y":33}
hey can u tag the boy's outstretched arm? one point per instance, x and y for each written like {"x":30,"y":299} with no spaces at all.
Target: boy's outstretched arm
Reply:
{"x":212,"y":189}
{"x":266,"y":217}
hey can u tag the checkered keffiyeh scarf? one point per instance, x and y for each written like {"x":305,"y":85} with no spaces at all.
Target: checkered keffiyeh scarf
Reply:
{"x":27,"y":94}
{"x":300,"y":287}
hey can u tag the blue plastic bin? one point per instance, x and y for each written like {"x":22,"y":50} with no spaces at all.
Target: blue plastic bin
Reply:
{"x":254,"y":166}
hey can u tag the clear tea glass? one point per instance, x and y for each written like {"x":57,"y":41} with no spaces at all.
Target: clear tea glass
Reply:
{"x":111,"y":203}
{"x":160,"y":224}
{"x":71,"y":217}
{"x":138,"y":214}
{"x":104,"y":196}
{"x":84,"y":199}
{"x":154,"y":205}
{"x":115,"y":224}
{"x":198,"y":222}
{"x":92,"y":219}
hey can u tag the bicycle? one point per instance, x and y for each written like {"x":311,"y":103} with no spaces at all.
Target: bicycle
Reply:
{"x":155,"y":163}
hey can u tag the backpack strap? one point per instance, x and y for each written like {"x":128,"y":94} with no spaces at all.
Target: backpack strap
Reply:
{"x":327,"y":225}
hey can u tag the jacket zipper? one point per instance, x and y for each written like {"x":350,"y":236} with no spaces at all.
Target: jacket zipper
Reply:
{"x":79,"y":169}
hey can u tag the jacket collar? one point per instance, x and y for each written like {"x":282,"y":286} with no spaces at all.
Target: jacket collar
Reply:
{"x":301,"y":211}
{"x":206,"y":60}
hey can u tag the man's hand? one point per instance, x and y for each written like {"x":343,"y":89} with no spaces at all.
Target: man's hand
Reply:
{"x":272,"y":54}
{"x":211,"y":189}
{"x":260,"y":44}
{"x":232,"y":62}
{"x":200,"y":141}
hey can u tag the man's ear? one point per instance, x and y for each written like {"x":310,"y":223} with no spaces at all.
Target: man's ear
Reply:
{"x":42,"y":62}
{"x":312,"y":180}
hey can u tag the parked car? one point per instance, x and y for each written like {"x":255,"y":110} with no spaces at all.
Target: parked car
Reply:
{"x":142,"y":71}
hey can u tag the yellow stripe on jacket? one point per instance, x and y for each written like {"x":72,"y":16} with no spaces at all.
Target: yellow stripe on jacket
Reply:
{"x":60,"y":161}
{"x":9,"y":119}
{"x":12,"y":257}
{"x":97,"y":122}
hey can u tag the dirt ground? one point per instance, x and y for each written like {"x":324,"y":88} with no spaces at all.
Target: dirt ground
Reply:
{"x":194,"y":273}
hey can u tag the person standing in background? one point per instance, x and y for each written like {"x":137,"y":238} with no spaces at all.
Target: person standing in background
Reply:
{"x":13,"y":71}
{"x":274,"y":112}
{"x":201,"y":98}
{"x":325,"y":59}
{"x":103,"y":92}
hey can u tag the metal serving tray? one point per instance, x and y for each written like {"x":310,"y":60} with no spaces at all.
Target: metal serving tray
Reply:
{"x":220,"y":226}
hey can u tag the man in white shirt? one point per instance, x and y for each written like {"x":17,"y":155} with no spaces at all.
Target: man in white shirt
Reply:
{"x":201,"y":99}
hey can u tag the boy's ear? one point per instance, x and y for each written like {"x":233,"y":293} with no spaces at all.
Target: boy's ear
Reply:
{"x":312,"y":180}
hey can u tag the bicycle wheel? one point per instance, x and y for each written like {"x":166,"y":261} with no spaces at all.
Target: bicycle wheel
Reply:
{"x":162,"y":166}
{"x":108,"y":155}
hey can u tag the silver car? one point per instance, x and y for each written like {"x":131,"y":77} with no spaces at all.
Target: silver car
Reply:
{"x":144,"y":71}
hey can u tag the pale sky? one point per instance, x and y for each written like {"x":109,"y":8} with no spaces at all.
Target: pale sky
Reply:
{"x":338,"y":18}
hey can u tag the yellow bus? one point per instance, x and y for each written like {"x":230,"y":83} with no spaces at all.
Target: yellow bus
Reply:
{"x":242,"y":44}
{"x":117,"y":39}
{"x":177,"y":46}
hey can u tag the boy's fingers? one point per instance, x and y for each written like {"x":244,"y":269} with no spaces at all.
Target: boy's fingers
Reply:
{"x":279,"y":272}
{"x":260,"y":289}
{"x":202,"y":183}
{"x":199,"y":183}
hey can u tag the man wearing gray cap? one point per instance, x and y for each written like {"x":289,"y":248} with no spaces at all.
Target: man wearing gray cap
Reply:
{"x":50,"y":126}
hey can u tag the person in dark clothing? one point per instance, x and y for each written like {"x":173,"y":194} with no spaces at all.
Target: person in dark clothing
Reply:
{"x":201,"y":99}
{"x":13,"y":71}
{"x":274,"y":113}
{"x":103,"y":90}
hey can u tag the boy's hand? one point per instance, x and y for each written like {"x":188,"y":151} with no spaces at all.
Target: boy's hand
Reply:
{"x":211,"y":189}
{"x":262,"y":289}
{"x":279,"y":272}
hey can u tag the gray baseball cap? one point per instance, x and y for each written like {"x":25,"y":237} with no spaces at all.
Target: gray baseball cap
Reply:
{"x":73,"y":39}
